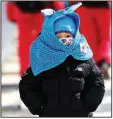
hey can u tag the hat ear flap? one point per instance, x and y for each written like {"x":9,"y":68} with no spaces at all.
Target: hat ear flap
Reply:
{"x":74,"y":7}
{"x":47,"y":12}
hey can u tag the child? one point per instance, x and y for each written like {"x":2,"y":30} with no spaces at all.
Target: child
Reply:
{"x":63,"y":80}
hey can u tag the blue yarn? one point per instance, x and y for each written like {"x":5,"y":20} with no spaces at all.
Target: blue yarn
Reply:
{"x":66,"y":24}
{"x":48,"y":52}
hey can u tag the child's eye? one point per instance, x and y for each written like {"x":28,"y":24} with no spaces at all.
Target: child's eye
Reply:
{"x":68,"y":36}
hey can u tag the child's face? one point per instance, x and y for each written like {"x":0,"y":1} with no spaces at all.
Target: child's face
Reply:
{"x":65,"y":38}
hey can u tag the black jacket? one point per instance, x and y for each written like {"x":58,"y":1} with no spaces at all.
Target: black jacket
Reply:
{"x":72,"y":89}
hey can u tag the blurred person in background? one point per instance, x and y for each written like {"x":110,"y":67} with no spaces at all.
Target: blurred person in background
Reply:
{"x":27,"y":16}
{"x":95,"y":20}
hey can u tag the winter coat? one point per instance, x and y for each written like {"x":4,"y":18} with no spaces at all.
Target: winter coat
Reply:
{"x":72,"y":89}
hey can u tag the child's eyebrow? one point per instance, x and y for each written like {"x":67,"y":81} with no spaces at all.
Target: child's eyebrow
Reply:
{"x":69,"y":35}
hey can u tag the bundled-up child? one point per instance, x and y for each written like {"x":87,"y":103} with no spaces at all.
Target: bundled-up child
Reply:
{"x":63,"y":79}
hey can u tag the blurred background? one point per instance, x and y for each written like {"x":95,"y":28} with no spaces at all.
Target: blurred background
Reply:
{"x":21,"y":24}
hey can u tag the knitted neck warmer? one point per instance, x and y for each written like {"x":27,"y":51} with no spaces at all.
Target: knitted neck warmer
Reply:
{"x":48,"y":52}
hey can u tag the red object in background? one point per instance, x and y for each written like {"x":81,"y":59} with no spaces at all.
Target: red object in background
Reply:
{"x":29,"y":25}
{"x":95,"y":26}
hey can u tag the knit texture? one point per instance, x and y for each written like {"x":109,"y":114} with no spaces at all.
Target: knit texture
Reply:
{"x":65,"y":24}
{"x":48,"y":52}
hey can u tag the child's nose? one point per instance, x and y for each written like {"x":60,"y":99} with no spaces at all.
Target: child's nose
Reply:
{"x":68,"y":43}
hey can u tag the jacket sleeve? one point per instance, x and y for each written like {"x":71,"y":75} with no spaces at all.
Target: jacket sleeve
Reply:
{"x":94,"y":89}
{"x":30,"y":92}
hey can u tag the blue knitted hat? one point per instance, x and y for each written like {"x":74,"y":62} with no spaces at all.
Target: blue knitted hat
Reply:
{"x":65,"y":24}
{"x":47,"y":51}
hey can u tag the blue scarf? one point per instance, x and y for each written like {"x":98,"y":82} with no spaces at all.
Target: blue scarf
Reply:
{"x":48,"y":52}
